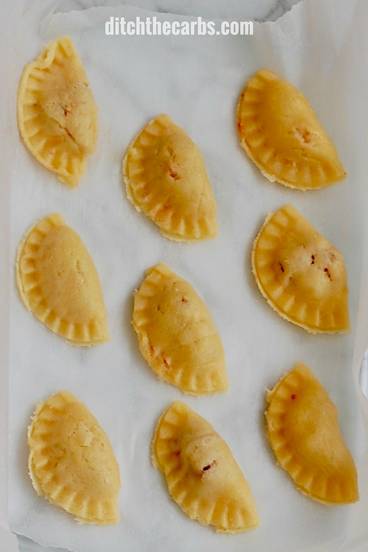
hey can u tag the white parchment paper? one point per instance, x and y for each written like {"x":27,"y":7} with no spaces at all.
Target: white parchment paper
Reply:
{"x":319,"y":46}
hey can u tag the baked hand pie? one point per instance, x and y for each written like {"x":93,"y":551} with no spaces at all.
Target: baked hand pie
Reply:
{"x":304,"y":434}
{"x":300,"y":273}
{"x":58,"y":282}
{"x":166,"y":179}
{"x":71,"y":461}
{"x":176,"y":334}
{"x":57,"y":114}
{"x":201,"y":473}
{"x":282,"y":135}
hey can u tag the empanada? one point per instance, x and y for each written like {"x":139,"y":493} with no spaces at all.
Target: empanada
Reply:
{"x":201,"y":473}
{"x":176,"y":334}
{"x":282,"y":135}
{"x":57,"y":114}
{"x":303,"y":430}
{"x":59,"y":284}
{"x":71,"y":461}
{"x":166,"y":178}
{"x":300,"y":273}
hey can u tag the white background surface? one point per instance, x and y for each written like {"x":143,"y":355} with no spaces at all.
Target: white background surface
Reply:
{"x":275,"y":198}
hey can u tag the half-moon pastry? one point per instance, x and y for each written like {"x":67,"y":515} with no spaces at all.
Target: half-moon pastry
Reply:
{"x":58,"y":282}
{"x":201,"y":473}
{"x":57,"y":114}
{"x":176,"y":334}
{"x":282,"y":135}
{"x":166,"y":179}
{"x":304,"y":433}
{"x":300,"y":273}
{"x":71,"y":461}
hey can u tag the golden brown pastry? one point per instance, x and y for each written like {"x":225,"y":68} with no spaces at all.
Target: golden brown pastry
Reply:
{"x":57,"y":114}
{"x":201,"y":473}
{"x":176,"y":334}
{"x":59,"y":284}
{"x":303,"y":430}
{"x":166,"y":179}
{"x":282,"y":135}
{"x":71,"y":461}
{"x":300,"y":273}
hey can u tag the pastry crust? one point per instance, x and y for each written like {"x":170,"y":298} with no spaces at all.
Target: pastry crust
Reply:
{"x":71,"y":461}
{"x":165,"y":178}
{"x":176,"y":334}
{"x":282,"y":135}
{"x":57,"y":114}
{"x":300,"y":273}
{"x":58,"y":282}
{"x":201,"y":473}
{"x":304,"y":434}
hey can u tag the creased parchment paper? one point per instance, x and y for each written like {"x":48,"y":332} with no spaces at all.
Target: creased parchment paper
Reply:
{"x":321,"y":47}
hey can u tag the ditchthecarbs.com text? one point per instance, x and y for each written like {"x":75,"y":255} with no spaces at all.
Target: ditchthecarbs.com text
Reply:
{"x":152,"y":26}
